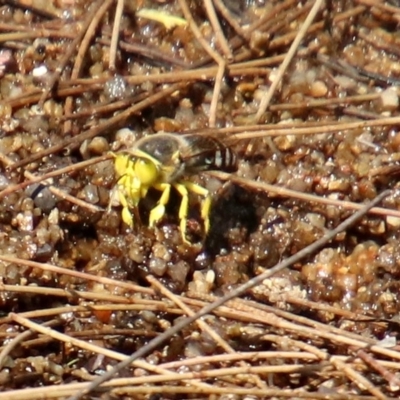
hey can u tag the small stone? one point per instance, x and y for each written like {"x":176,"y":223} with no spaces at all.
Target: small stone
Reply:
{"x":393,"y":222}
{"x":318,"y":89}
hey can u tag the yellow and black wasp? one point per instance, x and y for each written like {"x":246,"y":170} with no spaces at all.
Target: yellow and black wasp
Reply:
{"x":166,"y":160}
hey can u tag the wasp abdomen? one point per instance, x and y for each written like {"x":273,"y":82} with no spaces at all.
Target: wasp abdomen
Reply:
{"x":223,"y":159}
{"x":207,"y":153}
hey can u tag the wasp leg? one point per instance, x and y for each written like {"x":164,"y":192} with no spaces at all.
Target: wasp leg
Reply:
{"x":183,"y":208}
{"x":129,"y":195}
{"x":206,"y":203}
{"x":159,"y":210}
{"x":125,"y":190}
{"x":126,"y":214}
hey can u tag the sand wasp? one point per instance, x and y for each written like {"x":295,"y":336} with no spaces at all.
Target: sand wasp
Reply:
{"x":166,"y":160}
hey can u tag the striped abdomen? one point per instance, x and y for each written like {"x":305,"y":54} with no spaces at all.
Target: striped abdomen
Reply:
{"x":203,"y":153}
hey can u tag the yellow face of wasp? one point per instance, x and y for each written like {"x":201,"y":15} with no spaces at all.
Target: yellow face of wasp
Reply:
{"x":135,"y":177}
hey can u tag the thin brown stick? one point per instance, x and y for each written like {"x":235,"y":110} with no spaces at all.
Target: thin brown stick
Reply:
{"x":72,"y":294}
{"x":330,"y":103}
{"x":224,"y":11}
{"x":216,"y":92}
{"x":362,"y":382}
{"x":392,"y":379}
{"x":76,"y":274}
{"x":39,"y":30}
{"x":103,"y":109}
{"x":219,"y":35}
{"x":34,"y":96}
{"x":254,"y":356}
{"x":380,"y":45}
{"x":281,"y":191}
{"x":33,"y":9}
{"x":88,"y":310}
{"x":150,"y":52}
{"x":326,"y":102}
{"x":271,"y":16}
{"x":97,"y":84}
{"x":274,"y":21}
{"x":197,"y":33}
{"x":289,"y":37}
{"x":57,"y":192}
{"x":135,"y":386}
{"x":115,"y":35}
{"x":288,"y":58}
{"x":19,"y":36}
{"x":381,"y":5}
{"x":308,"y":129}
{"x":239,"y":392}
{"x":42,"y":178}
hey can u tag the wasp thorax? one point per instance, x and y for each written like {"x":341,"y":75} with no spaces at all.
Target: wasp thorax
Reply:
{"x":146,"y":171}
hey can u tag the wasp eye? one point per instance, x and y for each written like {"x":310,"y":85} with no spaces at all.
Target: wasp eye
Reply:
{"x":146,"y":171}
